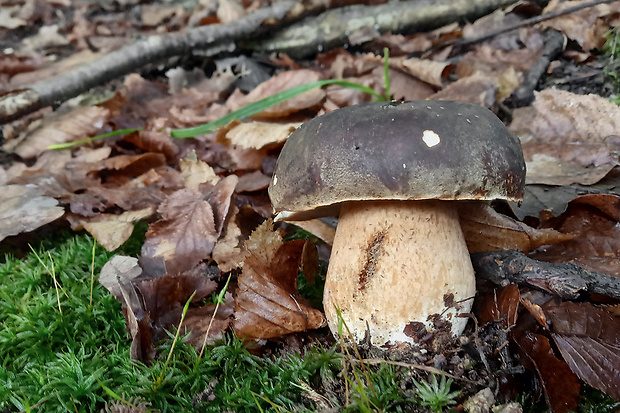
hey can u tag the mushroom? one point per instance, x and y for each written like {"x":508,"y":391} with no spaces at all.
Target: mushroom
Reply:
{"x":396,"y":172}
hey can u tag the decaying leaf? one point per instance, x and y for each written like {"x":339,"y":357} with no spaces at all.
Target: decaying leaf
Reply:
{"x":487,"y":230}
{"x":23,"y":208}
{"x":266,"y":303}
{"x":196,"y":172}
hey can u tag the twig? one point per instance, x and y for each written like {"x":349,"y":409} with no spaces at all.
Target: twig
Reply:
{"x":53,"y":91}
{"x":422,"y":367}
{"x":357,"y":24}
{"x":526,"y":22}
{"x":524,"y":94}
{"x":564,"y":279}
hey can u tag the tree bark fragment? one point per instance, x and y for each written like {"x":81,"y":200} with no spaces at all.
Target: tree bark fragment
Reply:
{"x":564,"y":279}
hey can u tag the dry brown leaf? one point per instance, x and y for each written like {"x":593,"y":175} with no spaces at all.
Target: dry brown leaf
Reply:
{"x":111,"y":231}
{"x":198,"y":320}
{"x":258,"y":135}
{"x":156,"y":142}
{"x":77,"y":124}
{"x":197,"y":172}
{"x":478,"y":89}
{"x":560,"y":384}
{"x":185,"y":235}
{"x":585,"y":26}
{"x":589,"y":340}
{"x":403,"y":85}
{"x":228,"y":253}
{"x":266,"y":303}
{"x":429,"y":71}
{"x":595,"y":220}
{"x":23,"y":208}
{"x":563,"y":130}
{"x":279,"y":83}
{"x":487,"y":230}
{"x":254,"y":181}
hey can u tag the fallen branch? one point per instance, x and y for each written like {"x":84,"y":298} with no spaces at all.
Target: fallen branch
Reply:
{"x":53,"y":91}
{"x":524,"y":94}
{"x":564,"y":279}
{"x":357,"y":24}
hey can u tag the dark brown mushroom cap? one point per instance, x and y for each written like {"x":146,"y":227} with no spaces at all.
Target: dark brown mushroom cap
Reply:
{"x":398,"y":151}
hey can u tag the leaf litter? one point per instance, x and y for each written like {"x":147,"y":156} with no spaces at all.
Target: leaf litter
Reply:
{"x":205,"y":199}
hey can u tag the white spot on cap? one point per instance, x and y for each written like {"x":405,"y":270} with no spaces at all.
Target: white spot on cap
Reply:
{"x":275,"y":180}
{"x":430,"y":138}
{"x":404,"y":166}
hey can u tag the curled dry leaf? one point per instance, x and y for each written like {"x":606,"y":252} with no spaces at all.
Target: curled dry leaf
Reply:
{"x":253,"y":181}
{"x":487,"y":230}
{"x":279,"y":83}
{"x":568,"y":138}
{"x":67,"y":127}
{"x":156,"y":142}
{"x":24,"y":208}
{"x":198,"y":319}
{"x":266,"y":303}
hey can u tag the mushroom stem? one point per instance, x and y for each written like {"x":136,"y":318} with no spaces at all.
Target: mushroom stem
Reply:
{"x":398,"y":266}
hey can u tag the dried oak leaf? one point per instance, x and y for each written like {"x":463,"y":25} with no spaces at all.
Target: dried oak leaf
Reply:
{"x":24,"y":208}
{"x":568,"y":138}
{"x":594,"y":219}
{"x":266,"y":302}
{"x":487,"y":230}
{"x":589,"y":339}
{"x":279,"y":83}
{"x":192,"y":220}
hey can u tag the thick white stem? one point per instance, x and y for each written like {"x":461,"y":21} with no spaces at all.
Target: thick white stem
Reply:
{"x":396,"y":264}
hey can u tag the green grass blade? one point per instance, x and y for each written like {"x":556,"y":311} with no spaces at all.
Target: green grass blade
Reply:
{"x":259,"y":106}
{"x":94,"y":138}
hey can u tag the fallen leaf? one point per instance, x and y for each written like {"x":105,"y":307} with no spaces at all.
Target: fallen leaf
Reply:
{"x":197,"y":172}
{"x":568,"y":138}
{"x":585,"y":26}
{"x":594,"y":219}
{"x":279,"y":83}
{"x":111,"y":231}
{"x":258,"y":135}
{"x":266,"y":303}
{"x":487,"y":230}
{"x":589,"y":339}
{"x":560,"y":384}
{"x":478,"y":89}
{"x":24,"y":208}
{"x":77,"y":124}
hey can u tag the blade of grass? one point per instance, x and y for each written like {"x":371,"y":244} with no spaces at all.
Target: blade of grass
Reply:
{"x":94,"y":138}
{"x":259,"y":106}
{"x":174,"y":342}
{"x":386,"y":74}
{"x":219,"y":299}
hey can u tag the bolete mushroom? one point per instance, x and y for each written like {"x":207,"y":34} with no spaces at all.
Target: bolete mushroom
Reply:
{"x":396,"y":171}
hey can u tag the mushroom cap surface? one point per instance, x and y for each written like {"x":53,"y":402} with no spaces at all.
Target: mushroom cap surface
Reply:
{"x":399,"y":151}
